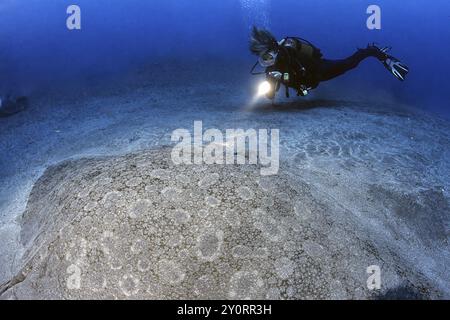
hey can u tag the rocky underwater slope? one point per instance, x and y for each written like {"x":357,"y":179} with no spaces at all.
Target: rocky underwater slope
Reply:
{"x":137,"y":226}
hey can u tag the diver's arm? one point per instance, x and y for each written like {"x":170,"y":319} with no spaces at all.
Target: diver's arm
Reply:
{"x":275,"y":75}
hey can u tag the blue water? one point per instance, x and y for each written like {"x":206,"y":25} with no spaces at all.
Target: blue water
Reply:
{"x":36,"y":47}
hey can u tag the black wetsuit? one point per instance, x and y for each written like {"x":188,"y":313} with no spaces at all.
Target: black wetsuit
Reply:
{"x":330,"y":69}
{"x":306,"y":67}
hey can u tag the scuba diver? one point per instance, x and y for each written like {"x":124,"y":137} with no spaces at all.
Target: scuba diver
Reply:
{"x":298,"y":64}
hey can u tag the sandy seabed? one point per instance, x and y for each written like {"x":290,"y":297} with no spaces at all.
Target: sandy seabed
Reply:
{"x":91,"y":205}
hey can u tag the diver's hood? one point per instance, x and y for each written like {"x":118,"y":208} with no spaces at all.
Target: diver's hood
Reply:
{"x":268,"y":58}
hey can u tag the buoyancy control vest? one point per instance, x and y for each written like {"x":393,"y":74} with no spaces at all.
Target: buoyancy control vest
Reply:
{"x":302,"y":58}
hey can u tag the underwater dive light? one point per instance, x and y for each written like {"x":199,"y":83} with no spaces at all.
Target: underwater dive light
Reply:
{"x":264,"y":88}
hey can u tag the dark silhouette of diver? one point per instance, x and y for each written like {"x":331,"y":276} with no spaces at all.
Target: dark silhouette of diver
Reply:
{"x":298,"y":64}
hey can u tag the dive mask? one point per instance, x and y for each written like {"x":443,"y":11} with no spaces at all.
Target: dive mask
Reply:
{"x":268,"y":58}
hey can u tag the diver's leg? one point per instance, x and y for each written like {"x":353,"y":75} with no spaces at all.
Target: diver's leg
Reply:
{"x":329,"y":69}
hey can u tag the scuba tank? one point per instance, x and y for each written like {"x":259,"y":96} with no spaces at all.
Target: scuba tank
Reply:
{"x":302,"y":47}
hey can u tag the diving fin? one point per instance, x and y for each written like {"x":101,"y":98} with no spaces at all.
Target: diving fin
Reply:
{"x":397,"y":68}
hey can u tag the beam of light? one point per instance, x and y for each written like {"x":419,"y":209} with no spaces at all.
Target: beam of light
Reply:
{"x":264,"y":88}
